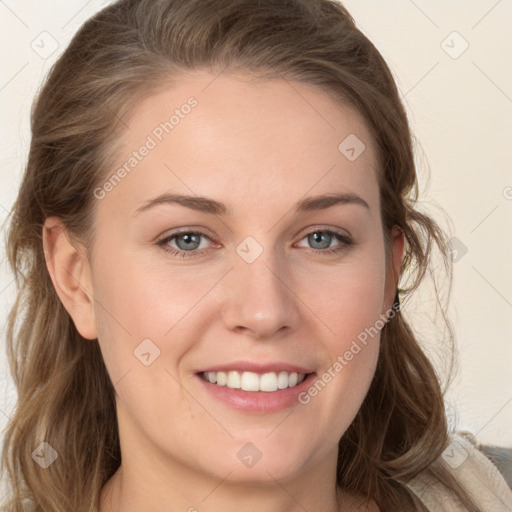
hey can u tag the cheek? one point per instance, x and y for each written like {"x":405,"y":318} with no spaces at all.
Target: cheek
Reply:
{"x":142,"y":298}
{"x":139,"y":300}
{"x":348,"y":298}
{"x":141,"y":318}
{"x":351,"y":311}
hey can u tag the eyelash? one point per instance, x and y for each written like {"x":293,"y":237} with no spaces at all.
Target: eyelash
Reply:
{"x":345,"y":240}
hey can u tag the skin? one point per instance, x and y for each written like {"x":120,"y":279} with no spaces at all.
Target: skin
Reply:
{"x":259,"y":148}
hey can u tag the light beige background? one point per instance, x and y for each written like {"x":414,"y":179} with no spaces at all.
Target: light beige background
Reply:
{"x":460,"y":107}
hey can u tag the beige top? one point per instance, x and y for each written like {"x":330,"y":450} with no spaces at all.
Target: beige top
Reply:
{"x":475,"y":471}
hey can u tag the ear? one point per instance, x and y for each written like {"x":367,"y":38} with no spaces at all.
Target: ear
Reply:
{"x":70,"y":273}
{"x":394,"y":266}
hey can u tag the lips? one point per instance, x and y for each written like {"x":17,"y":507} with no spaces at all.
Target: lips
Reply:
{"x":249,"y":376}
{"x":252,"y":392}
{"x":257,"y":388}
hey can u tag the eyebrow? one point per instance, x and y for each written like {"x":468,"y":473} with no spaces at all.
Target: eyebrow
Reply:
{"x":207,"y":205}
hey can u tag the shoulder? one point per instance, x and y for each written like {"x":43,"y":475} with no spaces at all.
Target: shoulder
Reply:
{"x":474,"y":471}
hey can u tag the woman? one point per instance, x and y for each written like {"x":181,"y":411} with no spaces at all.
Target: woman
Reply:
{"x":217,"y":210}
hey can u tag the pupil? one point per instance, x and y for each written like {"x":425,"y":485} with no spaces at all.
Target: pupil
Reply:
{"x":188,"y":239}
{"x":318,"y":237}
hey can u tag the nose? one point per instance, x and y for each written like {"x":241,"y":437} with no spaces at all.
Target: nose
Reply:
{"x":260,"y":299}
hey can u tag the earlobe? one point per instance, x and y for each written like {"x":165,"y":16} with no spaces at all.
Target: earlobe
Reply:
{"x":70,"y":273}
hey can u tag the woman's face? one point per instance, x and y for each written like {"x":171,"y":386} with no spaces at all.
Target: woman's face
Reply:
{"x":264,"y":278}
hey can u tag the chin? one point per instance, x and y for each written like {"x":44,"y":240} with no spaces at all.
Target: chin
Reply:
{"x":258,"y":462}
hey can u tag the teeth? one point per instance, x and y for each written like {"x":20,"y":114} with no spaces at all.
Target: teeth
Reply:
{"x":233,"y":380}
{"x":268,"y":382}
{"x":282,"y":380}
{"x":222,"y":378}
{"x":250,"y":381}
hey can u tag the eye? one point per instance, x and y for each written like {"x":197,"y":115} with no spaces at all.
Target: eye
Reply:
{"x":188,"y":243}
{"x":324,"y":237}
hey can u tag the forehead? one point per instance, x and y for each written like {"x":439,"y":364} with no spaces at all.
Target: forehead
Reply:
{"x":251,"y":143}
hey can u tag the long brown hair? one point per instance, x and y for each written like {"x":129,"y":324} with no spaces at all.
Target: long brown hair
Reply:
{"x":123,"y":53}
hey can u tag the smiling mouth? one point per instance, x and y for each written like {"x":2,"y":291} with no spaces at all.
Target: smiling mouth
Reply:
{"x":251,"y":381}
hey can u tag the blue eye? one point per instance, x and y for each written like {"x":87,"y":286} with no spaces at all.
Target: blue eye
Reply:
{"x":329,"y":235}
{"x":188,"y":242}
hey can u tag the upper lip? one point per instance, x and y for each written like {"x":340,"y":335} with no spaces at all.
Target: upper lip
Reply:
{"x":247,"y":366}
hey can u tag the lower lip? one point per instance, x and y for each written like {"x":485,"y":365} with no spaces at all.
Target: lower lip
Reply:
{"x":261,"y":402}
